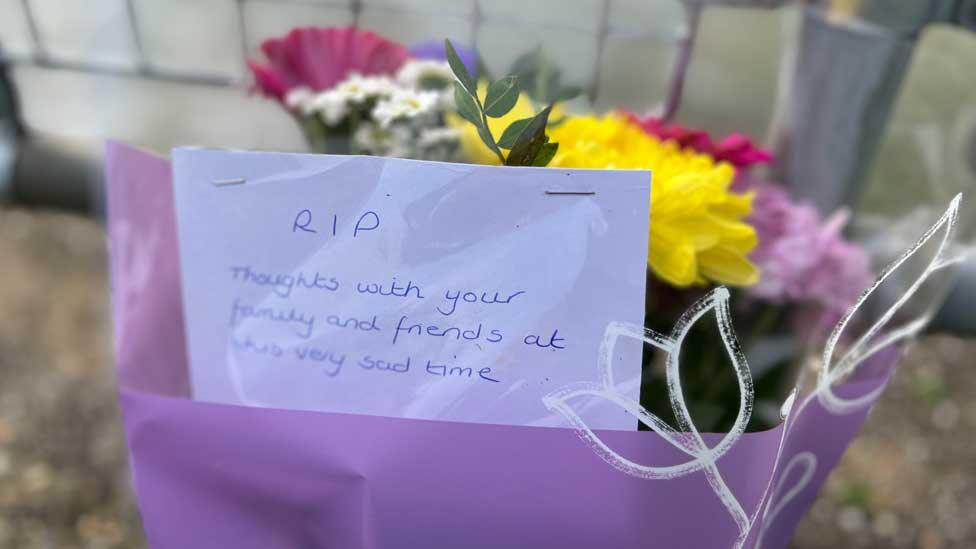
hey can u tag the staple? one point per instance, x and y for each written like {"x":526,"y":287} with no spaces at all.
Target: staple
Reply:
{"x":226,"y":182}
{"x":572,"y":193}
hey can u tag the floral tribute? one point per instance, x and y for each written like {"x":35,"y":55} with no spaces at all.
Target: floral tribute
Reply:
{"x":354,"y":92}
{"x":713,"y":220}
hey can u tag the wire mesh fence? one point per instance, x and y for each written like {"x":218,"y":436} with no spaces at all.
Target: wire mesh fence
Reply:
{"x":468,"y":20}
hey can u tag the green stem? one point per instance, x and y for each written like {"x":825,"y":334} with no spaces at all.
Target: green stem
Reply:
{"x":484,"y":121}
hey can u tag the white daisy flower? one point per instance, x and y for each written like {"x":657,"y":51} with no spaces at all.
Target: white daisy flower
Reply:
{"x":332,"y":106}
{"x":372,"y":139}
{"x":445,"y":100}
{"x":299,"y":99}
{"x":399,"y":144}
{"x":367,"y":138}
{"x":404,"y":104}
{"x":431,"y":137}
{"x":425,"y":74}
{"x":359,"y":88}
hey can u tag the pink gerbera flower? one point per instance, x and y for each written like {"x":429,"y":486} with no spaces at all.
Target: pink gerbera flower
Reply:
{"x":320,"y":58}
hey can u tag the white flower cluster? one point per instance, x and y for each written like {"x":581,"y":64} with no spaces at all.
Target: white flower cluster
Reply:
{"x":421,"y":87}
{"x":402,"y":115}
{"x":425,"y":74}
{"x":404,"y":104}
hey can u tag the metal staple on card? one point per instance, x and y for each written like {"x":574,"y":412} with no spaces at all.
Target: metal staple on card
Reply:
{"x":572,"y":193}
{"x":226,"y":182}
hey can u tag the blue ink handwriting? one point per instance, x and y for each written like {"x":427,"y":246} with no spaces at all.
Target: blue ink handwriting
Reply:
{"x":368,"y":221}
{"x":393,"y":289}
{"x":249,"y":345}
{"x":354,"y":323}
{"x":554,"y":341}
{"x":492,"y":336}
{"x":370,"y":363}
{"x":474,"y":297}
{"x":305,"y":325}
{"x":283,"y":284}
{"x":444,"y":370}
{"x":332,"y":361}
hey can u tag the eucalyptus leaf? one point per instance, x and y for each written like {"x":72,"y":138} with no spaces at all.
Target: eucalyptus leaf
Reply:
{"x":530,"y":141}
{"x":558,"y":122}
{"x":545,"y":154}
{"x":460,"y":71}
{"x":466,"y":105}
{"x":502,"y":96}
{"x":485,"y":136}
{"x":565,"y":93}
{"x":541,"y":78}
{"x":546,"y":79}
{"x":512,"y":132}
{"x":526,"y":65}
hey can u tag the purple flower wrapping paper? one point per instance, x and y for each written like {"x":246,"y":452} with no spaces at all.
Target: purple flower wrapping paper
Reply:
{"x":213,"y":475}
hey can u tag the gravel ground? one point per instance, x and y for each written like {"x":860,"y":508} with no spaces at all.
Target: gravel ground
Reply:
{"x":909,"y":480}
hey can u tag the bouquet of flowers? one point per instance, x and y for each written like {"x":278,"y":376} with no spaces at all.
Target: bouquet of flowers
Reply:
{"x":713,"y":220}
{"x":368,"y":95}
{"x":737,"y":453}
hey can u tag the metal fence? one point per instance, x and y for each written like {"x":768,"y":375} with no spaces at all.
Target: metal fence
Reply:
{"x":680,"y":39}
{"x":842,"y":71}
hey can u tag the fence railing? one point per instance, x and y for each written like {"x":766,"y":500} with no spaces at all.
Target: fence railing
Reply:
{"x":842,"y":71}
{"x":849,"y":64}
{"x":142,"y":65}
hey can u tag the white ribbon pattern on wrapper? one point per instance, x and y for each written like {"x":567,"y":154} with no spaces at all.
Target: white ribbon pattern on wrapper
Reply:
{"x":689,"y":439}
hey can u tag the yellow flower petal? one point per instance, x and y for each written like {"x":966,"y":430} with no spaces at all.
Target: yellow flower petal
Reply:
{"x":698,"y":230}
{"x":672,"y":257}
{"x":727,"y":266}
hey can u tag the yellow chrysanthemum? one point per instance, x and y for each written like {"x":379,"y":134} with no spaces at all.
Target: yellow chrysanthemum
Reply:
{"x":698,"y":233}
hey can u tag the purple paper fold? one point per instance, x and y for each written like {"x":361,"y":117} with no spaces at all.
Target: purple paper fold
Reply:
{"x":212,"y":475}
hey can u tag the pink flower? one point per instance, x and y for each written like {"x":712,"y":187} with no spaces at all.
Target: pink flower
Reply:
{"x":803,"y":258}
{"x":736,"y":149}
{"x":320,"y":58}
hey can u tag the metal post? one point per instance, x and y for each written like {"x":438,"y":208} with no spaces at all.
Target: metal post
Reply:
{"x":849,"y":68}
{"x":37,"y":43}
{"x":142,"y":61}
{"x":682,"y":60}
{"x":601,"y":44}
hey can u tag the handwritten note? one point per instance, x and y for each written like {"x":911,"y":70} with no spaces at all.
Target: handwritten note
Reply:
{"x":406,"y":288}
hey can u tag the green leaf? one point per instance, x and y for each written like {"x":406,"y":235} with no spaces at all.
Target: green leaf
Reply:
{"x":530,"y":141}
{"x":566,"y":93}
{"x":546,"y":80}
{"x":466,"y":105}
{"x":502,"y":96}
{"x":527,"y":64}
{"x":541,"y":78}
{"x":486,"y":138}
{"x":557,"y":122}
{"x":545,"y":155}
{"x":460,"y":71}
{"x":512,"y":132}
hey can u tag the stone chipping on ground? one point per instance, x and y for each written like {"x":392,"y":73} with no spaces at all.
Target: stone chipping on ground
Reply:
{"x":909,"y":479}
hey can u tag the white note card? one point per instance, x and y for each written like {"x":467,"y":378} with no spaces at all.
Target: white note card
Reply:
{"x":406,"y":288}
